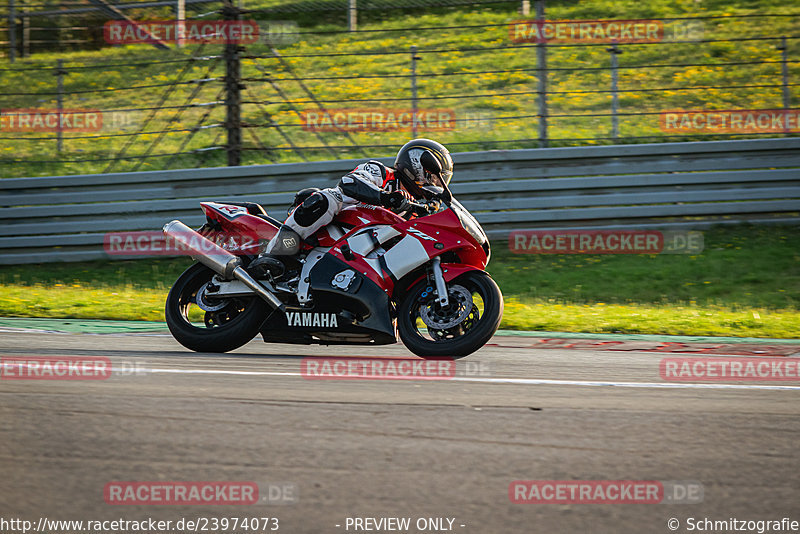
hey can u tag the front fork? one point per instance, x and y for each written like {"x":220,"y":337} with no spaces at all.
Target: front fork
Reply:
{"x":438,"y":278}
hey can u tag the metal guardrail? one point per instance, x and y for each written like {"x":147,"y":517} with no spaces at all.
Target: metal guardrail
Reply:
{"x":64,"y":218}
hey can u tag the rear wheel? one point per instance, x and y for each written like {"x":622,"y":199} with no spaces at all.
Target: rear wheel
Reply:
{"x":203,"y":324}
{"x":471,"y":318}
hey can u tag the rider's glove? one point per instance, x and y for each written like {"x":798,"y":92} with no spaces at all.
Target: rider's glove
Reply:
{"x":395,"y":200}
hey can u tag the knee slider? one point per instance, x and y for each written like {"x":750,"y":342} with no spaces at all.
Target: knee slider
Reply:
{"x":311,"y":209}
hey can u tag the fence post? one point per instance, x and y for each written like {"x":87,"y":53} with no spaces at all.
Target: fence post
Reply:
{"x":60,"y":104}
{"x":615,"y":51}
{"x":181,"y":26}
{"x":12,"y":32}
{"x":414,"y":59}
{"x":541,"y":74}
{"x":785,"y":71}
{"x":26,"y":36}
{"x":233,"y":98}
{"x":352,"y":16}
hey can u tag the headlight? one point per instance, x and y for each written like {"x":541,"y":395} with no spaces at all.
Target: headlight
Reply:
{"x":468,"y":222}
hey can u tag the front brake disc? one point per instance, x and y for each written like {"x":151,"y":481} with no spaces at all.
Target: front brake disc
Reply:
{"x":441,"y":318}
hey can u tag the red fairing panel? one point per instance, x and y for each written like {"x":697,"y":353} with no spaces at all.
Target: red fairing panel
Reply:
{"x":451,"y":234}
{"x":236,"y":218}
{"x":362,"y":214}
{"x":238,"y":225}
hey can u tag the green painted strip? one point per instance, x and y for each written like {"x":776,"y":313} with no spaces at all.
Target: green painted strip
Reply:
{"x":85,"y":326}
{"x":93,"y":326}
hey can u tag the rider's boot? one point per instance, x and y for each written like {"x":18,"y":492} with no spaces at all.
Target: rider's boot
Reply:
{"x":281,"y":248}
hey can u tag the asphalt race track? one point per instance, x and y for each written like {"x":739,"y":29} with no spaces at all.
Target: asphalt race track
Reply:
{"x":391,"y":448}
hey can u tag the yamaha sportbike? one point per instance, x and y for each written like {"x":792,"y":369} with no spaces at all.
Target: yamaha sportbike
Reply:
{"x":363,"y":279}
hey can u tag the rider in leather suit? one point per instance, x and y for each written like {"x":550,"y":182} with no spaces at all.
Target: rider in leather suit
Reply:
{"x":369,"y":183}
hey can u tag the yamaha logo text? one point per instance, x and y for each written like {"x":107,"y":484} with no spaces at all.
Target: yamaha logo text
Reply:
{"x":324,"y":320}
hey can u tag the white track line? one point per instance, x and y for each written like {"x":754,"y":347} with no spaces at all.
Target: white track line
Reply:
{"x":518,"y":381}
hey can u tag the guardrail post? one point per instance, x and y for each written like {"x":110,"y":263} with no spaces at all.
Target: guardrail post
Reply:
{"x":414,"y":107}
{"x":615,"y":51}
{"x":60,"y":104}
{"x":541,"y":75}
{"x":12,"y":32}
{"x":233,"y":97}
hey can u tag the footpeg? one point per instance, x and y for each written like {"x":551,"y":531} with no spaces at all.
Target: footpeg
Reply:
{"x":265,"y":266}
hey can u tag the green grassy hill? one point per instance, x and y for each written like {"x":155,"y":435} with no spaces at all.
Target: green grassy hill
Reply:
{"x":496,"y":86}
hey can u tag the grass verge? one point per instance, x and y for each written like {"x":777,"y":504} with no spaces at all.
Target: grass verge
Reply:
{"x":746,"y":283}
{"x":78,"y":302}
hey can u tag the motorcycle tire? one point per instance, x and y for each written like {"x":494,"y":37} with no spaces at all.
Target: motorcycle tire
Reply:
{"x":249,"y":314}
{"x":475,"y":336}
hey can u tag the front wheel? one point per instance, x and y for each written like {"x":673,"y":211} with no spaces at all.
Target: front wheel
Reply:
{"x":470,"y":319}
{"x":203,"y":324}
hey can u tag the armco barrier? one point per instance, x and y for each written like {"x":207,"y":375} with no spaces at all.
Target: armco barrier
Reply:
{"x":64,"y":218}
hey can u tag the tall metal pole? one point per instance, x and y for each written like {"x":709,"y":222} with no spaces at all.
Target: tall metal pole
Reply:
{"x":233,"y":98}
{"x":12,"y":32}
{"x":26,"y":37}
{"x":614,"y":90}
{"x":414,"y":60}
{"x":181,"y":26}
{"x":785,"y":70}
{"x":60,"y":104}
{"x":352,"y":16}
{"x":541,"y":74}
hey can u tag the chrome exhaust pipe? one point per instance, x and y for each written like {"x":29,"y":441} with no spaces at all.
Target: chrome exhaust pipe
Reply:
{"x":218,"y":260}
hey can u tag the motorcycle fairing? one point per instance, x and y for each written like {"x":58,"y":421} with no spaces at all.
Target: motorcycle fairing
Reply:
{"x":228,"y":211}
{"x":361,"y":214}
{"x":424,"y":238}
{"x":236,"y":220}
{"x":361,"y":308}
{"x":442,"y":232}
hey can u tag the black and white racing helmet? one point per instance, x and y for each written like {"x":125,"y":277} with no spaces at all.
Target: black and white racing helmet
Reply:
{"x":423,"y":162}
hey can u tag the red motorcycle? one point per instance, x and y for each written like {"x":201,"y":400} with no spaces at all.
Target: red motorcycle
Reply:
{"x":360,"y":280}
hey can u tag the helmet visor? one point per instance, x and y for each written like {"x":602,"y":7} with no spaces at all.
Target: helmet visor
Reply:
{"x":427,"y":179}
{"x":441,"y":179}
